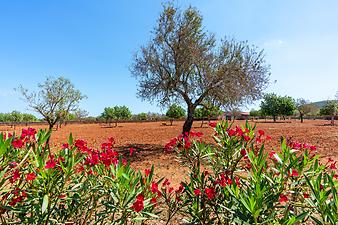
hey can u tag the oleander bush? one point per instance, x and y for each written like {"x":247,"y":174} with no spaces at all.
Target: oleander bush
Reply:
{"x":236,"y":180}
{"x":76,"y":185}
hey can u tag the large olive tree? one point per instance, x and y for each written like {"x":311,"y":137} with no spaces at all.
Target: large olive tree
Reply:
{"x":183,"y":62}
{"x":56,"y":98}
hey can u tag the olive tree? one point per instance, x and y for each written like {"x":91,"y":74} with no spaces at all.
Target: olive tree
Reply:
{"x":207,"y":112}
{"x":175,"y":112}
{"x":330,"y":109}
{"x":304,"y":107}
{"x":116,"y":113}
{"x":55,"y":99}
{"x":184,"y":63}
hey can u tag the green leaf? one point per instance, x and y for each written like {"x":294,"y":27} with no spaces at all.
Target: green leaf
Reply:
{"x":44,"y":203}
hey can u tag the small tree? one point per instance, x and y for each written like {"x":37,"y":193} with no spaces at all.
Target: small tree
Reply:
{"x":56,"y":97}
{"x":175,"y":112}
{"x":184,"y":63}
{"x":270,"y":105}
{"x":330,"y":109}
{"x":304,"y":108}
{"x":141,"y":116}
{"x":116,"y":113}
{"x":287,"y":106}
{"x":207,"y":112}
{"x":255,"y":113}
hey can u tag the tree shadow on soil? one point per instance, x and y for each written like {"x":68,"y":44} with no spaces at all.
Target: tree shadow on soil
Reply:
{"x":142,"y":151}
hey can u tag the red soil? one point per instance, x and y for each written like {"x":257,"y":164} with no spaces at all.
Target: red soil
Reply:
{"x":149,"y":138}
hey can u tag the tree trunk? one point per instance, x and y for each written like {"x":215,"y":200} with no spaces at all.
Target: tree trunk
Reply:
{"x":171,"y":122}
{"x":202,"y":123}
{"x":50,"y":129}
{"x":301,"y":118}
{"x":189,"y":121}
{"x":332,"y":120}
{"x":274,"y":118}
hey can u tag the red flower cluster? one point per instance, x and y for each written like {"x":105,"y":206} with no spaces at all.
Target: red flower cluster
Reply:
{"x":182,"y":141}
{"x":26,"y":136}
{"x":138,"y":204}
{"x":239,"y":132}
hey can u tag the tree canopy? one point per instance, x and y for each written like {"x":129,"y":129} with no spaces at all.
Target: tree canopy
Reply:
{"x":184,"y":63}
{"x":175,"y":112}
{"x":305,"y":108}
{"x":274,"y":105}
{"x":116,"y":113}
{"x":330,"y":109}
{"x":56,"y":98}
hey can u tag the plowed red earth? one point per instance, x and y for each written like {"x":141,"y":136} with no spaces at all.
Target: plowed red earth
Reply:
{"x":149,"y":138}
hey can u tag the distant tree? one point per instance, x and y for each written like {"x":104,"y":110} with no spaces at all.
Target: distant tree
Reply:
{"x":305,"y":108}
{"x":270,"y":105}
{"x":27,"y":117}
{"x":287,"y":106}
{"x":175,"y":112}
{"x":206,"y":112}
{"x":254,"y":112}
{"x":116,"y":113}
{"x":184,"y":63}
{"x":81,"y":114}
{"x":330,"y":109}
{"x":55,"y":97}
{"x":15,"y":117}
{"x":141,"y":116}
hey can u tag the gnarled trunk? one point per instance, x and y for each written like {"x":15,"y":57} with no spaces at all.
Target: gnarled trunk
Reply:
{"x":301,"y":117}
{"x":189,"y":121}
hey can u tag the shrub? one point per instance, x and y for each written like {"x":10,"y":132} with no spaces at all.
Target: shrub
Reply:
{"x":237,"y":181}
{"x":76,"y":184}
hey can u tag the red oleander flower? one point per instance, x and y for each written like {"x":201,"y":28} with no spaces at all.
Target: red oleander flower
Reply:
{"x":268,"y":137}
{"x":237,"y":181}
{"x":313,"y":148}
{"x":210,"y":192}
{"x":243,"y":152}
{"x":283,"y":198}
{"x":131,"y":151}
{"x":261,"y":132}
{"x":147,"y":172}
{"x":30,"y":176}
{"x":64,"y":146}
{"x":154,"y":187}
{"x":246,"y":138}
{"x":17,"y":143}
{"x":138,"y":204}
{"x":272,"y":154}
{"x":50,"y":164}
{"x":16,"y":176}
{"x":231,"y":132}
{"x":153,"y":201}
{"x":305,"y":195}
{"x":166,"y":182}
{"x":294,"y":173}
{"x":197,"y":192}
{"x":213,"y":124}
{"x":180,"y":188}
{"x":333,"y":166}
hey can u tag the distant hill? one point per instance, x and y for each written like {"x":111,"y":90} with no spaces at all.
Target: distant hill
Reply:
{"x":320,"y":104}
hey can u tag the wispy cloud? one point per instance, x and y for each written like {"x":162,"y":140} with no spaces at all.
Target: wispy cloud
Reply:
{"x":273,"y":43}
{"x":6,"y":92}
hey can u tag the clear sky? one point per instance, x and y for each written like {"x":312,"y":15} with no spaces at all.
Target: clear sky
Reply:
{"x":92,"y":44}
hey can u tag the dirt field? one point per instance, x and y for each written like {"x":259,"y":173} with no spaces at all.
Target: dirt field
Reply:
{"x":149,"y":138}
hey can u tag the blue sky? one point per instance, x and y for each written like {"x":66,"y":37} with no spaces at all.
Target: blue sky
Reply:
{"x":92,"y":44}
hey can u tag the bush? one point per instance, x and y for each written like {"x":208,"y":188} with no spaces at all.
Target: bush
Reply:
{"x":248,"y":185}
{"x":74,"y":185}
